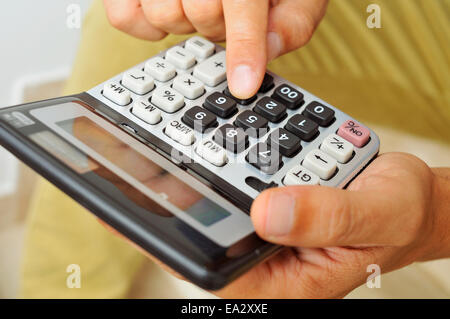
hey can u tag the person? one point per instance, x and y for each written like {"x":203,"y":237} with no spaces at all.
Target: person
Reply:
{"x":398,"y":210}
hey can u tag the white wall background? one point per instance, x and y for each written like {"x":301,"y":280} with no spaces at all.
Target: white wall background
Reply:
{"x":36,"y":44}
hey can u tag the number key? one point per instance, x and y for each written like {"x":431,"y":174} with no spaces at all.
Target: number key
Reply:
{"x":285,"y":142}
{"x":265,"y":158}
{"x":254,"y":124}
{"x":199,"y":119}
{"x":269,"y":108}
{"x":232,"y":138}
{"x":238,"y":100}
{"x":303,"y":127}
{"x":288,"y":96}
{"x":220,"y":104}
{"x":319,"y":113}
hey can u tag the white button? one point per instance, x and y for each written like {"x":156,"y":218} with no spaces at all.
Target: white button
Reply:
{"x":180,"y":132}
{"x":200,"y":47}
{"x":144,"y":110}
{"x":189,"y":86}
{"x":212,"y":71}
{"x":167,"y":99}
{"x":117,"y":93}
{"x":337,"y":147}
{"x":180,"y":57}
{"x":138,"y":81}
{"x":298,"y":175}
{"x":160,"y":69}
{"x":320,"y":163}
{"x":212,"y":152}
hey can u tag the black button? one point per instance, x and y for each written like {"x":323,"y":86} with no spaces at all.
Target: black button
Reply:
{"x":269,"y":108}
{"x":288,"y":96}
{"x":265,"y":158}
{"x":199,"y":119}
{"x":267,"y":83}
{"x":285,"y":142}
{"x":220,"y":104}
{"x":232,"y":138}
{"x":303,"y":127}
{"x":258,"y":184}
{"x":319,"y":113}
{"x":254,"y":124}
{"x":240,"y":101}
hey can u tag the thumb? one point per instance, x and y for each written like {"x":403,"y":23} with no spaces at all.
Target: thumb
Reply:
{"x":318,"y":216}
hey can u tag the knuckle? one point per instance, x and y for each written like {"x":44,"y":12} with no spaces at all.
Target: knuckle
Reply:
{"x":120,"y":19}
{"x":162,"y":17}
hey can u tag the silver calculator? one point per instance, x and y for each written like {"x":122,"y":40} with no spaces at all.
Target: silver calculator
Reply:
{"x":168,"y":156}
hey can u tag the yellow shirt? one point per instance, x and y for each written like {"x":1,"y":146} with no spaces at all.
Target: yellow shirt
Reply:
{"x":396,"y":76}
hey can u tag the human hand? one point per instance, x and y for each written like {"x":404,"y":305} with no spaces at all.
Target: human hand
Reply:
{"x":395,"y":213}
{"x":256,"y":31}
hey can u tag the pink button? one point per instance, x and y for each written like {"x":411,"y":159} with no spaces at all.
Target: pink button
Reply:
{"x":354,"y":132}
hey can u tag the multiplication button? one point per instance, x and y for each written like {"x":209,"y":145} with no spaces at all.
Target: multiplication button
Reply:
{"x":189,"y":86}
{"x":144,"y":110}
{"x":138,"y":81}
{"x":167,"y":99}
{"x":298,"y":175}
{"x":337,"y":147}
{"x":160,"y":69}
{"x":320,"y":163}
{"x":212,"y":152}
{"x":117,"y":93}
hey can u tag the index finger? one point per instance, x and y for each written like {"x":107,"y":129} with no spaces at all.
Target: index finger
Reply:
{"x":246,"y":34}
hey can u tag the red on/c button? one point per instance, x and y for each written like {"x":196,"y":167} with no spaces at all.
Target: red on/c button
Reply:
{"x":354,"y":132}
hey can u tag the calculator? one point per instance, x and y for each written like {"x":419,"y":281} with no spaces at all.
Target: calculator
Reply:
{"x":166,"y":155}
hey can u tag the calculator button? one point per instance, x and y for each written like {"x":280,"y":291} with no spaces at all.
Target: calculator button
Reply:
{"x":319,"y":113}
{"x":288,"y":96}
{"x":189,"y":86}
{"x":298,"y":175}
{"x":180,"y":132}
{"x":285,"y":142}
{"x":117,"y":93}
{"x":267,"y":83}
{"x":167,"y":99}
{"x":272,"y":110}
{"x":248,"y":101}
{"x":180,"y":57}
{"x":138,"y":81}
{"x":320,"y":163}
{"x":232,"y":138}
{"x":212,"y":71}
{"x":201,"y":48}
{"x":254,"y":125}
{"x":220,"y":104}
{"x":160,"y":69}
{"x":258,"y":184}
{"x":144,"y":110}
{"x":265,"y":158}
{"x":354,"y":132}
{"x":212,"y":152}
{"x":337,"y":147}
{"x":303,"y":127}
{"x":199,"y":119}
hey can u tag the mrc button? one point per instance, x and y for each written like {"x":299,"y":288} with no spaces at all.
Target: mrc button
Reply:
{"x":354,"y":132}
{"x":319,"y":113}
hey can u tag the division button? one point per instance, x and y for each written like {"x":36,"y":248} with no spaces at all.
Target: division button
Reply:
{"x":288,"y":96}
{"x":272,"y":110}
{"x":117,"y":93}
{"x":138,"y":81}
{"x":264,"y":158}
{"x":180,"y":57}
{"x":267,"y":83}
{"x":212,"y":71}
{"x":354,"y":132}
{"x":167,"y":99}
{"x":180,"y":133}
{"x":337,"y":147}
{"x":303,"y":127}
{"x":220,"y":104}
{"x":231,"y":138}
{"x":199,"y":119}
{"x":189,"y":86}
{"x":160,"y":69}
{"x":254,"y":124}
{"x":319,"y":113}
{"x":248,"y":101}
{"x":200,"y":47}
{"x":144,"y":110}
{"x":285,"y":142}
{"x":298,"y":175}
{"x":320,"y":163}
{"x":212,"y":152}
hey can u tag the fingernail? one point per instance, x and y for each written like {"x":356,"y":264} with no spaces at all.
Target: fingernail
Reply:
{"x":273,"y":46}
{"x":280,"y":214}
{"x":244,"y":81}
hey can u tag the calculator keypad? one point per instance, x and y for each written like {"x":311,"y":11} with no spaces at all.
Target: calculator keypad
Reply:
{"x":281,"y":136}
